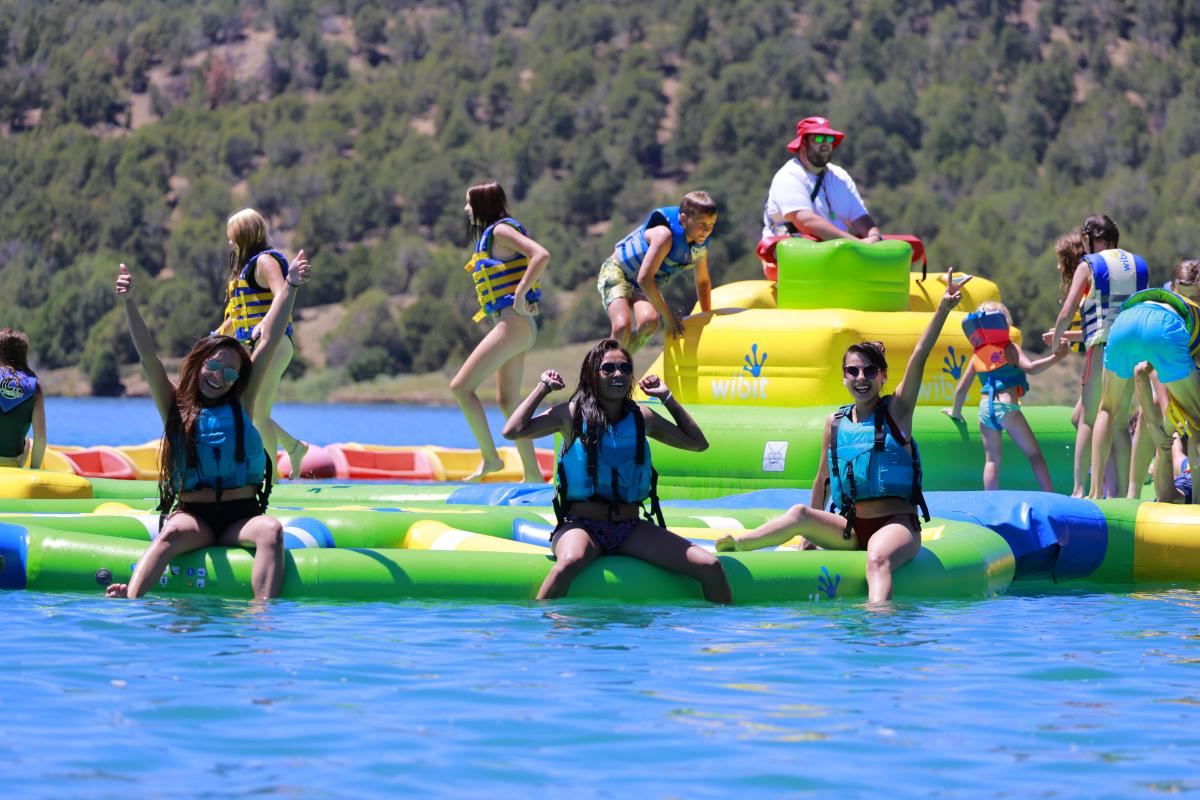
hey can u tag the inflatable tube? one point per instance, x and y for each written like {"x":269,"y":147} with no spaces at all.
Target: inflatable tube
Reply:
{"x":762,"y":448}
{"x":924,"y":294}
{"x":960,"y":561}
{"x":29,"y":484}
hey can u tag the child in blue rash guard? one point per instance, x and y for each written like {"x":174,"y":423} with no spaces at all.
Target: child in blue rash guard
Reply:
{"x":214,"y":477}
{"x":22,"y":404}
{"x":599,"y":507}
{"x":878,"y":491}
{"x":1001,"y":367}
{"x":671,"y":240}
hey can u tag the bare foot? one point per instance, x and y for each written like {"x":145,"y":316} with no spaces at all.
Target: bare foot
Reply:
{"x":296,"y":458}
{"x":117,"y":590}
{"x":536,"y":477}
{"x":486,"y":467}
{"x":727,"y":544}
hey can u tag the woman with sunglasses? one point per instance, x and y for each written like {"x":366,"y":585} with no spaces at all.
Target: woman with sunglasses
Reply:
{"x":877,"y":492}
{"x":214,"y":477}
{"x":599,"y":505}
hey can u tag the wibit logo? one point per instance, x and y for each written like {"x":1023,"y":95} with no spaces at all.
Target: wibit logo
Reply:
{"x":754,"y":364}
{"x":739,"y":387}
{"x":827,"y":583}
{"x":954,"y":364}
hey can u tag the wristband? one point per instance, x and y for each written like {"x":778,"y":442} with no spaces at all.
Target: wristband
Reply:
{"x":546,"y":384}
{"x":293,"y":285}
{"x":664,"y":400}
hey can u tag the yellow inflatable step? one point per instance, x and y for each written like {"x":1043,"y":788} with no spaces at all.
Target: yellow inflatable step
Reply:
{"x":38,"y":484}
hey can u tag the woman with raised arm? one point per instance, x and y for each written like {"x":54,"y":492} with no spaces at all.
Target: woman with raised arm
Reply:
{"x":877,"y":491}
{"x":214,"y":479}
{"x":605,"y":473}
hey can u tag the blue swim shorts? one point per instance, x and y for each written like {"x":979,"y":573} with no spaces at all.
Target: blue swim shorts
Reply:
{"x":1149,"y":332}
{"x":992,"y":412}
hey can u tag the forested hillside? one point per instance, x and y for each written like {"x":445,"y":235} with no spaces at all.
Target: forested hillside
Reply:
{"x":130,"y":130}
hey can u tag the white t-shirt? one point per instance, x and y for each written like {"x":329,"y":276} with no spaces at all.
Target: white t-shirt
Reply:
{"x":838,"y":200}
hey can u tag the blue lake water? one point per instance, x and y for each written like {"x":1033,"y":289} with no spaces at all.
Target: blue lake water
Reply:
{"x":1053,"y":691}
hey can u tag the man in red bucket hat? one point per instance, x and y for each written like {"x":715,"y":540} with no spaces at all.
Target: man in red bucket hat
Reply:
{"x":813,"y":198}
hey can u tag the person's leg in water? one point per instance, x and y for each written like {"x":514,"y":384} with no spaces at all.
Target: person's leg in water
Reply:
{"x":508,"y":397}
{"x":646,"y":316}
{"x":265,"y":535}
{"x":660,"y":547}
{"x":573,"y":550}
{"x":512,"y":336}
{"x":1018,"y":428}
{"x":181,"y":533}
{"x":1089,"y":400}
{"x":273,"y":434}
{"x":1110,"y":436}
{"x":893,"y":546}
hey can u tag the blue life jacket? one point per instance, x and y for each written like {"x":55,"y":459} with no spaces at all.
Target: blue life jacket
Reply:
{"x":630,"y":251}
{"x":616,"y":469}
{"x":17,"y":390}
{"x":868,"y":460}
{"x":229,"y":451}
{"x":1116,"y":275}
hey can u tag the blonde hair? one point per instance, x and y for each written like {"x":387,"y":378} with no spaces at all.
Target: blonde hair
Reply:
{"x":247,"y":229}
{"x":992,"y":306}
{"x":1187,"y":273}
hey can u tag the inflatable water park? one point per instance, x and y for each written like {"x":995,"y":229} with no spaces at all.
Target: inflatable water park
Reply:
{"x":380,"y":523}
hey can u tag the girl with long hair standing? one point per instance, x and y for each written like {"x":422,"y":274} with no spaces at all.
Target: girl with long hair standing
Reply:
{"x":505,"y":269}
{"x":214,"y":477}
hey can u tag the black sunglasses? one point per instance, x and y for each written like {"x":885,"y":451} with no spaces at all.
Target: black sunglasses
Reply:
{"x":870,"y":373}
{"x":609,"y":367}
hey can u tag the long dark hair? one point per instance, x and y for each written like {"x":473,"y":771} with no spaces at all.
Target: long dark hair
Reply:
{"x":14,"y":351}
{"x":588,"y":420}
{"x":180,"y":427}
{"x":1069,"y":252}
{"x":489,"y":204}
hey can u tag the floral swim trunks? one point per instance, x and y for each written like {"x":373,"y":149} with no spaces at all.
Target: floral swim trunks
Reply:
{"x":614,"y":284}
{"x":608,"y":536}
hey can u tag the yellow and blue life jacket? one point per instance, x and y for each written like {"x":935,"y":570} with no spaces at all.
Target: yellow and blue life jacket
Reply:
{"x":17,"y":390}
{"x":630,"y":251}
{"x":247,"y":302}
{"x":496,"y":279}
{"x":868,"y":459}
{"x":614,"y":469}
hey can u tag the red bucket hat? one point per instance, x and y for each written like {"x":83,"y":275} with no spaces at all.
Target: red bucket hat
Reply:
{"x":810,"y":125}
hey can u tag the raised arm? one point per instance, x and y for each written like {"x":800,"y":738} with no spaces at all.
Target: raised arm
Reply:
{"x":557,"y":419}
{"x":274,"y":324}
{"x":156,"y":375}
{"x":683,"y":433}
{"x":910,"y":385}
{"x":538,"y":257}
{"x":39,"y":430}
